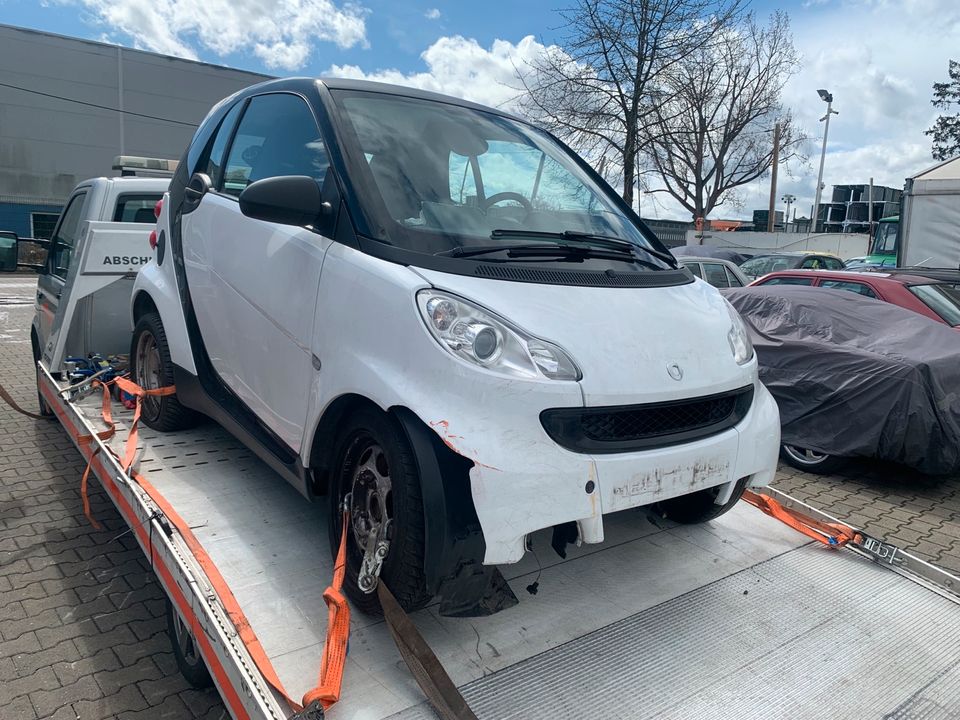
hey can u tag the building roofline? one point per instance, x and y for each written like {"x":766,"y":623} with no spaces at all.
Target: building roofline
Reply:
{"x":126,"y":48}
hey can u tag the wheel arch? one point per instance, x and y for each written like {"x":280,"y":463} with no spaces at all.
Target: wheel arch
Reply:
{"x":142,"y":304}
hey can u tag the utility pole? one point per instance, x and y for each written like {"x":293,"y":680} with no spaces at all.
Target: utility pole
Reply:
{"x":828,"y":99}
{"x":771,"y":215}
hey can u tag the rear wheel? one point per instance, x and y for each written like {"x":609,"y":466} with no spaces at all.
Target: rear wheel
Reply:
{"x":809,"y":460}
{"x":186,"y":652}
{"x":701,"y":506}
{"x":151,"y":368}
{"x":374,"y":463}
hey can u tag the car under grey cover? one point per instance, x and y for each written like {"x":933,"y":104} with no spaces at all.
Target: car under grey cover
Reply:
{"x":857,"y":377}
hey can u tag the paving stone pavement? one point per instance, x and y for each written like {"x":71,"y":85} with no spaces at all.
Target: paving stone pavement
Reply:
{"x":82,"y":630}
{"x":82,"y":616}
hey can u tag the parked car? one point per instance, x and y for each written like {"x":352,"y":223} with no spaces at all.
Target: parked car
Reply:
{"x":855,"y":377}
{"x":719,"y":273}
{"x":760,"y":265}
{"x":710,"y":251}
{"x":937,"y":299}
{"x":415,"y":305}
{"x":8,"y":251}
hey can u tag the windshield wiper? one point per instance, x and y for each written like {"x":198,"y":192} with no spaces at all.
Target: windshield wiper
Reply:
{"x":545,"y":250}
{"x":606,"y":241}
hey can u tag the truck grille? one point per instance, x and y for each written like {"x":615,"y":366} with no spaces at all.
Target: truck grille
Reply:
{"x":640,"y":427}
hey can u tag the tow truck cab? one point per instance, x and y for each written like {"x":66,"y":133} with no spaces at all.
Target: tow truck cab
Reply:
{"x":117,"y":215}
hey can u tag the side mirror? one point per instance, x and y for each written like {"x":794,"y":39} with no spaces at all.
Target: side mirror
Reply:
{"x":288,"y":200}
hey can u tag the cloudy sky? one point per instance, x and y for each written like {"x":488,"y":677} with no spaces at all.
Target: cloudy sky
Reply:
{"x":878,"y":57}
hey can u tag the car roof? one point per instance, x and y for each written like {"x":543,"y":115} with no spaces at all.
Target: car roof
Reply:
{"x":795,"y":253}
{"x":901,"y":278}
{"x":303,"y":83}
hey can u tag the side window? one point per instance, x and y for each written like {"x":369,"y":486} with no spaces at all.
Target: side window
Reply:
{"x":136,"y":208}
{"x":733,"y":279}
{"x":833,"y":264}
{"x":65,"y":237}
{"x":277,"y":135}
{"x":214,"y":167}
{"x":695,"y":269}
{"x":788,"y":281}
{"x":856,"y":287}
{"x":811,"y":263}
{"x":716,"y":275}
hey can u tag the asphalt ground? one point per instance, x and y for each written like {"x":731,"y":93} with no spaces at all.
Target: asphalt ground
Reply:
{"x":82,"y":623}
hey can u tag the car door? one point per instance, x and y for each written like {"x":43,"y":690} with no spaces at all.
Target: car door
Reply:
{"x":254,"y":283}
{"x":59,"y":258}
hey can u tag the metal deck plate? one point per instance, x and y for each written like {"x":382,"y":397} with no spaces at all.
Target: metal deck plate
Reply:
{"x":733,"y":619}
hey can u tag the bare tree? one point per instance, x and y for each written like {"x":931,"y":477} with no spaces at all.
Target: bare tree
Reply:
{"x":715,"y":132}
{"x":600,"y":88}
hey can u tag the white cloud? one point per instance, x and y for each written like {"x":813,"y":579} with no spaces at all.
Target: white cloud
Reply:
{"x":281,"y":35}
{"x":432,"y":14}
{"x":881,"y":77}
{"x":461,"y":67}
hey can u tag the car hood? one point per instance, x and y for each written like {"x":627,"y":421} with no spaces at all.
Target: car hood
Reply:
{"x":623,"y":339}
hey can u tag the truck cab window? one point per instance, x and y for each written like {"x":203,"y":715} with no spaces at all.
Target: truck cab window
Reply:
{"x":136,"y":208}
{"x":65,"y":237}
{"x":277,"y":136}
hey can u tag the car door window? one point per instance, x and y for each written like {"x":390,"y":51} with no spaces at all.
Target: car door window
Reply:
{"x":277,"y":136}
{"x":715,"y":274}
{"x":65,"y":237}
{"x":695,"y":269}
{"x":811,"y":263}
{"x":788,"y":281}
{"x":856,"y":287}
{"x":832,"y":263}
{"x":214,"y":165}
{"x":733,"y":279}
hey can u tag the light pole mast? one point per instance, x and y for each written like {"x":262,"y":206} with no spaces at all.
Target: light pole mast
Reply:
{"x":828,"y":99}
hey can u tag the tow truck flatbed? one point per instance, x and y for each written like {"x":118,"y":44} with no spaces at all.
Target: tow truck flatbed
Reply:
{"x":739,"y":618}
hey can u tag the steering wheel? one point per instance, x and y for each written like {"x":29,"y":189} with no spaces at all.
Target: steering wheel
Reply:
{"x":502,"y":196}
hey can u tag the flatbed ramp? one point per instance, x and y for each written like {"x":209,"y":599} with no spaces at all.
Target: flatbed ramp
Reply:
{"x":738,"y":618}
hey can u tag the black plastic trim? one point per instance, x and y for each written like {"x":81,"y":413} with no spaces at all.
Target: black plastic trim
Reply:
{"x":565,"y":425}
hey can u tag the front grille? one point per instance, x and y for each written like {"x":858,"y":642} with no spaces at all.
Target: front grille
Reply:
{"x":639,"y":427}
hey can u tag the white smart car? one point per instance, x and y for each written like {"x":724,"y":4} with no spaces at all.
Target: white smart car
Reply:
{"x":440,"y":317}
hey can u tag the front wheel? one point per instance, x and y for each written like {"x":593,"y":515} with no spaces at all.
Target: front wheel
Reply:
{"x":809,"y":460}
{"x":376,"y":466}
{"x":151,"y":368}
{"x":700,"y":506}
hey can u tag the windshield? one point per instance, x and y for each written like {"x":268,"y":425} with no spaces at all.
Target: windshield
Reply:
{"x":450,"y":176}
{"x":758,"y":266}
{"x":885,"y":242}
{"x":942,"y":298}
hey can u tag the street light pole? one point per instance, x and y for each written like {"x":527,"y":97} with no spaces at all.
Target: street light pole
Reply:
{"x":827,"y":98}
{"x":771,"y":213}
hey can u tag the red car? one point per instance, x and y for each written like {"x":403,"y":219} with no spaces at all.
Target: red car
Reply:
{"x":937,"y":299}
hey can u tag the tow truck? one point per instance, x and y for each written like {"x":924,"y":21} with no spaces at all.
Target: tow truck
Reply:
{"x":742,"y":617}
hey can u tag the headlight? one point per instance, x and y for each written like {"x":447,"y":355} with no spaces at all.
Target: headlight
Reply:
{"x":738,"y":336}
{"x":479,"y":336}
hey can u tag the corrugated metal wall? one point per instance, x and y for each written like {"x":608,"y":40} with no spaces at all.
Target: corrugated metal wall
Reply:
{"x":48,"y":144}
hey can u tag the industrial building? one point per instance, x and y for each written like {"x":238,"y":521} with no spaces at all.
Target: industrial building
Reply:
{"x":68,"y":107}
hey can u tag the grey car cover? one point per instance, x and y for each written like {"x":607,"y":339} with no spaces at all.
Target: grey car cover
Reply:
{"x":855,"y":376}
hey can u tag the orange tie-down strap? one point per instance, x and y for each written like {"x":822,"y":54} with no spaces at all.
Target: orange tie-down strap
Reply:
{"x":830,"y":534}
{"x":327,"y":691}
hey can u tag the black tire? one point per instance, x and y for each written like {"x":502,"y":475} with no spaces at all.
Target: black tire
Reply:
{"x":164,"y":414}
{"x":185,"y":650}
{"x":45,"y":410}
{"x":699,"y":506}
{"x":809,"y":460}
{"x":366,"y":430}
